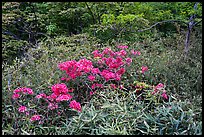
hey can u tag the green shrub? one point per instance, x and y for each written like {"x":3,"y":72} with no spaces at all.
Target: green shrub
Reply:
{"x":110,"y":111}
{"x":13,"y":49}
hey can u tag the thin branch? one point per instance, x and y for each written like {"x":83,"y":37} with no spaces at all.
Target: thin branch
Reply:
{"x":92,"y":14}
{"x":10,"y":34}
{"x":162,"y":22}
{"x":197,"y":23}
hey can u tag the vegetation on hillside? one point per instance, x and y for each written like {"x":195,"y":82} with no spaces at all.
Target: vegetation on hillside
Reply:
{"x":102,"y":68}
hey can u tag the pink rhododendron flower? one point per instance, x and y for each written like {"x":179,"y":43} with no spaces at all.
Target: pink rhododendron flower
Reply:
{"x":128,"y":61}
{"x":63,"y":78}
{"x":24,"y":90}
{"x":58,"y":113}
{"x":92,"y":92}
{"x":135,"y":52}
{"x":95,"y":51}
{"x":106,"y":51}
{"x":144,"y":69}
{"x":84,"y":65}
{"x":27,"y":113}
{"x":121,"y":87}
{"x":121,"y":71}
{"x":91,"y":77}
{"x":42,"y":95}
{"x":52,"y":96}
{"x":164,"y":95}
{"x":138,"y":53}
{"x":111,"y":53}
{"x":71,"y":68}
{"x":96,"y":85}
{"x":15,"y":96}
{"x":117,"y":77}
{"x":73,"y":75}
{"x":122,"y":47}
{"x":113,"y":63}
{"x":75,"y":105}
{"x":121,"y":53}
{"x":95,"y":71}
{"x":38,"y":96}
{"x":68,"y":65}
{"x":107,"y":75}
{"x":97,"y":54}
{"x":35,"y":118}
{"x":99,"y":85}
{"x":52,"y":106}
{"x":66,"y":79}
{"x":59,"y":89}
{"x":160,"y":85}
{"x":100,"y":62}
{"x":17,"y":90}
{"x":63,"y":98}
{"x":22,"y":109}
{"x":93,"y":86}
{"x":29,"y":91}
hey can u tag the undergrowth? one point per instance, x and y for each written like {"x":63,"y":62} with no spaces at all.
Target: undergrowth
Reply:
{"x":114,"y":111}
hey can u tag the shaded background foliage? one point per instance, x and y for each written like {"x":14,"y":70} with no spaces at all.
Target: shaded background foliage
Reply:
{"x":37,"y":36}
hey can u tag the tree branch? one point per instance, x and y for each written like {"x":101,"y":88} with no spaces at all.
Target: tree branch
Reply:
{"x":190,"y":26}
{"x":90,"y":12}
{"x":11,"y":34}
{"x":162,"y":22}
{"x":197,"y":23}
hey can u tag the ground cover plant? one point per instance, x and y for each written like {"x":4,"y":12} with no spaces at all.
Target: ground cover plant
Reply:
{"x":103,"y":77}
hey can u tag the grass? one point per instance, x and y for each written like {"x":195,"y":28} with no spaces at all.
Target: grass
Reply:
{"x":112,"y":112}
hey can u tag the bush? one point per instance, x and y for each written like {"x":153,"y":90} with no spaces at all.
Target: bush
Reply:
{"x":110,"y":111}
{"x":13,"y":49}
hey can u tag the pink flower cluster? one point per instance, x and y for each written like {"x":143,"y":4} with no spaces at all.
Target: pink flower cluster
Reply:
{"x":35,"y":118}
{"x":60,"y":93}
{"x":42,"y":95}
{"x":22,"y":109}
{"x":91,"y":77}
{"x":95,"y":85}
{"x":144,"y":69}
{"x":75,"y":105}
{"x":59,"y":89}
{"x":111,"y":65}
{"x":135,"y":52}
{"x":158,"y":88}
{"x":24,"y":90}
{"x":164,"y":95}
{"x":75,"y":69}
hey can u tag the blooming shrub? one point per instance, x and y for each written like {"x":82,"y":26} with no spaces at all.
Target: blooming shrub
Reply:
{"x":85,"y":77}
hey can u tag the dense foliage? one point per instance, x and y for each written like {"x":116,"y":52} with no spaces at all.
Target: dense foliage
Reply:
{"x":120,"y":59}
